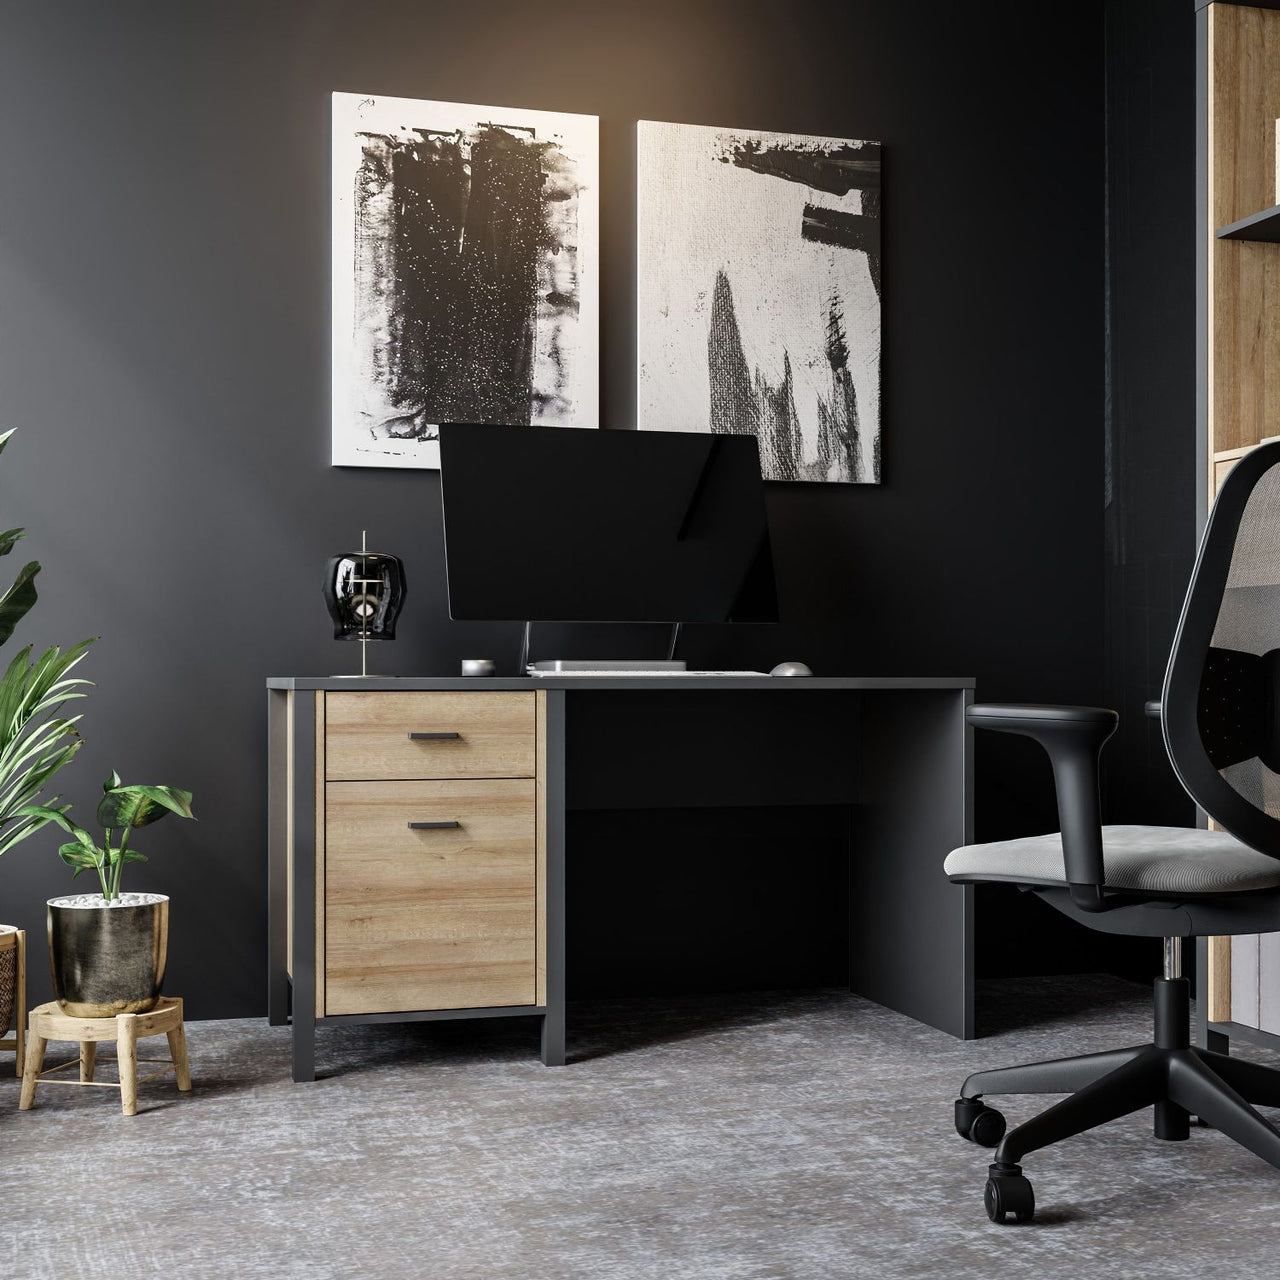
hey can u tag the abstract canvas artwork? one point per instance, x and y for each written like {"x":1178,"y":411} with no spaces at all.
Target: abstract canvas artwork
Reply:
{"x":759,"y":294}
{"x":465,"y":244}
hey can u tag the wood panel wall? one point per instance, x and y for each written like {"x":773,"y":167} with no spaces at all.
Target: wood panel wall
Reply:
{"x":1243,"y":982}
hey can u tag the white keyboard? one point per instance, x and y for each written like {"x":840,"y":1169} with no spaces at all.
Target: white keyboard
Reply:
{"x":632,"y":674}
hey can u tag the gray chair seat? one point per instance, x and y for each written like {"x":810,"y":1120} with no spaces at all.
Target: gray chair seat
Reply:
{"x":1163,"y":860}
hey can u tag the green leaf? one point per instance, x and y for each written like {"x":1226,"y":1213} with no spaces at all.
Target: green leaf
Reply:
{"x":112,"y":782}
{"x":4,"y":437}
{"x":8,"y":538}
{"x":75,"y":856}
{"x":139,"y":806}
{"x":18,"y":600}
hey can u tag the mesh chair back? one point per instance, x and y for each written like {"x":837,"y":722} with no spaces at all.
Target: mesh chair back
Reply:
{"x":1221,"y":704}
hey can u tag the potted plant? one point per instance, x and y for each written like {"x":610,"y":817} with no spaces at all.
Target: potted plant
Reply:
{"x":107,"y":950}
{"x":36,"y":739}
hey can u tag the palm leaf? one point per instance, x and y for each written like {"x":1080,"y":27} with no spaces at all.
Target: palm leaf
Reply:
{"x":35,"y":742}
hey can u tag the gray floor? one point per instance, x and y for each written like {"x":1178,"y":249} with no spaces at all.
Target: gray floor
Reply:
{"x":755,"y":1137}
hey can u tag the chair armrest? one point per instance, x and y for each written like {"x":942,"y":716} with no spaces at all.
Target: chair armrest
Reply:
{"x":1073,"y":737}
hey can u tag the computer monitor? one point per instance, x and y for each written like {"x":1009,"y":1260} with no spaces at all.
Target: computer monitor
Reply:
{"x":565,"y":525}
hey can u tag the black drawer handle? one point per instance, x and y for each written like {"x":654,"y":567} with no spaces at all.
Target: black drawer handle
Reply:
{"x":433,"y":826}
{"x":432,"y":737}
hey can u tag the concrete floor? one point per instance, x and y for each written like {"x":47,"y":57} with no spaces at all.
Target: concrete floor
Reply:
{"x":752,"y":1137}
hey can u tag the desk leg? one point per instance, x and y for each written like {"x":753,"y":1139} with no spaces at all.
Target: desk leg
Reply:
{"x":553,"y":1029}
{"x":278,"y":710}
{"x":911,"y":928}
{"x":304,"y":887}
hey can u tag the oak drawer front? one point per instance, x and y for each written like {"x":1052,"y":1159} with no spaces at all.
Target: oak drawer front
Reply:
{"x":438,"y":917}
{"x":461,"y":735}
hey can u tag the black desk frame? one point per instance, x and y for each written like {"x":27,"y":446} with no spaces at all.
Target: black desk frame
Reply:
{"x":911,"y":930}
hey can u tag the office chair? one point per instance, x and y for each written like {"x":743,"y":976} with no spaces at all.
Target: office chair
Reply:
{"x":1220,"y":714}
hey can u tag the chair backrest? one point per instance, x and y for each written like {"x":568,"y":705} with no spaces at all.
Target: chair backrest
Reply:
{"x":1221,"y":703}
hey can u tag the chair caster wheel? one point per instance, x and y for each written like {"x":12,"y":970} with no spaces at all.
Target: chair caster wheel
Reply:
{"x":978,"y":1122}
{"x":1008,"y":1193}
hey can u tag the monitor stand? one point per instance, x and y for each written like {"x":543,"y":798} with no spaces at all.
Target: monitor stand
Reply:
{"x":669,"y":663}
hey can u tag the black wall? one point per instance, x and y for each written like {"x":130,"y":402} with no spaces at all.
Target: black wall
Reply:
{"x":1151,"y":434}
{"x":164,"y":265}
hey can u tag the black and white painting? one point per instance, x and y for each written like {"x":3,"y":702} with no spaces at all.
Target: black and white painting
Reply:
{"x":465,"y":243}
{"x":759,"y":294}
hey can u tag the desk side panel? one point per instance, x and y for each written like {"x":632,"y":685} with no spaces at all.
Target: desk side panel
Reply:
{"x":911,"y":944}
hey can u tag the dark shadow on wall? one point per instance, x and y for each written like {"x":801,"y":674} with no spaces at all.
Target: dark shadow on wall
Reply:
{"x":1150,"y":414}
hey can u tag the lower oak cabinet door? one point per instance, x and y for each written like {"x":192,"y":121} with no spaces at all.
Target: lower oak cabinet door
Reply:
{"x":433,"y":915}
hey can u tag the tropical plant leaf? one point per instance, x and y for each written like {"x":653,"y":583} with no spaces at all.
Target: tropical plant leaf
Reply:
{"x":8,"y":538}
{"x":139,"y":806}
{"x":4,"y":437}
{"x":17,"y":602}
{"x":112,"y":782}
{"x":76,"y":855}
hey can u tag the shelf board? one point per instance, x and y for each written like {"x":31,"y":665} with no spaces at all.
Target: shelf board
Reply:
{"x":1263,"y":227}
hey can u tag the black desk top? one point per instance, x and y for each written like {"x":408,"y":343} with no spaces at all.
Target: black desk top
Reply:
{"x":446,"y":684}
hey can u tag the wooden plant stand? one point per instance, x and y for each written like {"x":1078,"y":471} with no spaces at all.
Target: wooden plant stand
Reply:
{"x":48,"y":1022}
{"x":15,"y":941}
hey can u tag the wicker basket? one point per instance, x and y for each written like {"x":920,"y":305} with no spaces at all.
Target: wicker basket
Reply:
{"x":8,"y":976}
{"x":13,"y":1002}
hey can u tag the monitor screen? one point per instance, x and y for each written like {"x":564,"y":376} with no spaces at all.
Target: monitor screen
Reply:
{"x":559,"y":525}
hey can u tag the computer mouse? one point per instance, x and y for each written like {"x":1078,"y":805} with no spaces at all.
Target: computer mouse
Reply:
{"x":791,"y":669}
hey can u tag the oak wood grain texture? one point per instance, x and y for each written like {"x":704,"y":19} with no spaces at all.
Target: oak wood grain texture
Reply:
{"x":1219,"y":980}
{"x":32,"y":1064}
{"x":48,"y":1022}
{"x":540,"y":905}
{"x":1244,"y":322}
{"x":1244,"y":278}
{"x":127,"y":1061}
{"x":1221,"y":466}
{"x":53,"y":1024}
{"x":321,"y":745}
{"x":178,"y":1052}
{"x":442,"y":919}
{"x":368,"y":735}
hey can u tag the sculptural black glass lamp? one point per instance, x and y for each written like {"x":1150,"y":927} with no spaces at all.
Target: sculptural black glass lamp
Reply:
{"x":364,"y":591}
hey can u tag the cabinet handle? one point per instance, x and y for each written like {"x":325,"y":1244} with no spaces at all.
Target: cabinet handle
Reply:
{"x":432,"y":737}
{"x":432,"y":826}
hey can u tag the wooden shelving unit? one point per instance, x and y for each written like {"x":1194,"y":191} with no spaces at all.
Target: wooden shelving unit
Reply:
{"x":1238,"y":350}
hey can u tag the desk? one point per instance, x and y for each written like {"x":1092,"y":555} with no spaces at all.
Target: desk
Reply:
{"x":417,"y":828}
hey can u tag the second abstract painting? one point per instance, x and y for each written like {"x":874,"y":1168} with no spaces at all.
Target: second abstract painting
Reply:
{"x":759,"y":294}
